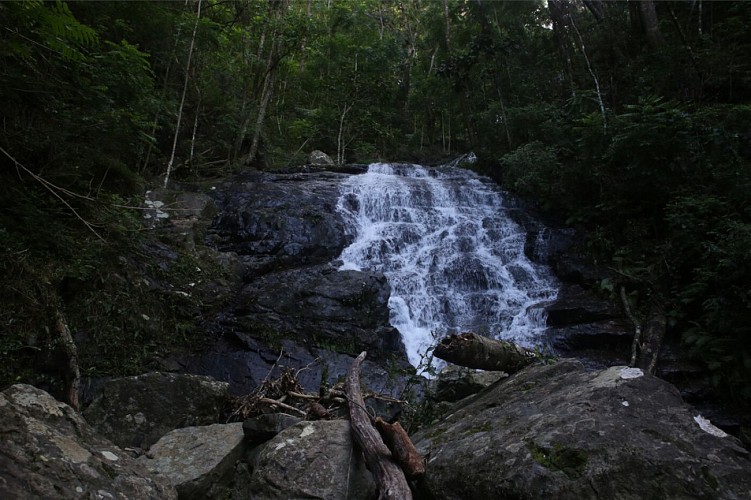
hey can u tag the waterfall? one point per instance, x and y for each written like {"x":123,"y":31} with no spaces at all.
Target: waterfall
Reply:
{"x":453,"y":258}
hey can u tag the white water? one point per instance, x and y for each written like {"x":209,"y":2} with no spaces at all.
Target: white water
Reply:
{"x":453,"y":258}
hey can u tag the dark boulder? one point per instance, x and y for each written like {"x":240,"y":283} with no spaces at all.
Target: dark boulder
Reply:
{"x":455,"y":382}
{"x":263,"y":427}
{"x":559,"y":431}
{"x":201,"y":462}
{"x":136,"y":411}
{"x":606,"y":335}
{"x":575,"y":305}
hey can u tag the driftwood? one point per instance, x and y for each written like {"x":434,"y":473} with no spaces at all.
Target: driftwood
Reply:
{"x":389,"y":477}
{"x":475,"y":351}
{"x":402,"y":449}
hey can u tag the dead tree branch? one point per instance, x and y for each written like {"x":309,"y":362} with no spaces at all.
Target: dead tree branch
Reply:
{"x":392,"y":484}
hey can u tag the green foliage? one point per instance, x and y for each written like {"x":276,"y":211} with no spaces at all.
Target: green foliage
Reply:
{"x":532,"y":170}
{"x":660,"y":180}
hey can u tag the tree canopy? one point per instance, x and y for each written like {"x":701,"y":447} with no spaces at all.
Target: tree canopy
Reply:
{"x":628,"y":119}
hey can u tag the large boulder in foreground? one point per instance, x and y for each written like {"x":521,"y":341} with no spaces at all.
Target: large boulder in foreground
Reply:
{"x":559,"y":431}
{"x":199,"y":461}
{"x":312,"y":460}
{"x":136,"y":411}
{"x":49,"y":451}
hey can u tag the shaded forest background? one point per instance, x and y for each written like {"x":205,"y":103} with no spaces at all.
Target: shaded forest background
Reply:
{"x":630,"y":120}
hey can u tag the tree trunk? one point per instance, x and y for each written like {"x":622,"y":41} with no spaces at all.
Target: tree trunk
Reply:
{"x":593,"y":74}
{"x":650,"y":23}
{"x":340,"y":146}
{"x":388,"y":476}
{"x":653,"y":335}
{"x":475,"y":351}
{"x":558,"y":16}
{"x":447,"y":20}
{"x":595,"y":7}
{"x":272,"y":66}
{"x":71,"y":371}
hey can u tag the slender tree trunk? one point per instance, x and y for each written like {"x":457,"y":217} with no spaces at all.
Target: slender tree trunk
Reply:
{"x":595,"y":7}
{"x":267,"y":92}
{"x":447,"y":20}
{"x":71,"y":372}
{"x":182,"y":100}
{"x":195,"y":131}
{"x":594,"y":76}
{"x":558,"y":16}
{"x":340,"y":138}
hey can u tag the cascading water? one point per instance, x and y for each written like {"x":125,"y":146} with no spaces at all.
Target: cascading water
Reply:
{"x":453,"y":258}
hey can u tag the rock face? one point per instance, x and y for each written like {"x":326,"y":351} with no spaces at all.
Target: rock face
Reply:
{"x":49,"y":451}
{"x":278,"y":221}
{"x":136,"y":411}
{"x":284,"y":230}
{"x":311,"y":460}
{"x":198,"y":461}
{"x":558,"y":431}
{"x":347,"y":310}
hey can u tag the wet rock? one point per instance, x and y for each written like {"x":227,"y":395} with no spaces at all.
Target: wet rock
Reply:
{"x":456,"y":382}
{"x":312,"y":460}
{"x":264,"y":427}
{"x":606,"y":335}
{"x":136,"y":411}
{"x":245,"y":363}
{"x":345,"y":310}
{"x":278,"y":221}
{"x":199,"y":461}
{"x":575,"y":305}
{"x":560,"y":431}
{"x":49,"y":451}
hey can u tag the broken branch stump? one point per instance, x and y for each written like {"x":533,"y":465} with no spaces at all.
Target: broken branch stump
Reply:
{"x":402,"y":449}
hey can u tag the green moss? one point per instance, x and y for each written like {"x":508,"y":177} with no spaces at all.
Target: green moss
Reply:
{"x":709,"y":478}
{"x":570,"y":461}
{"x":484,"y":427}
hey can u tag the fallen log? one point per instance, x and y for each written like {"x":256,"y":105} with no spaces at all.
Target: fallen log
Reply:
{"x":389,"y":477}
{"x":402,"y":449}
{"x":475,"y":351}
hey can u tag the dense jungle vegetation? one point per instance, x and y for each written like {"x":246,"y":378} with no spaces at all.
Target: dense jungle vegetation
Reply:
{"x":628,"y":119}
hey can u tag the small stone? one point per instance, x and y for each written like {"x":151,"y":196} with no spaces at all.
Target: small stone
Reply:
{"x":110,"y":456}
{"x":629,"y":373}
{"x":708,"y":427}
